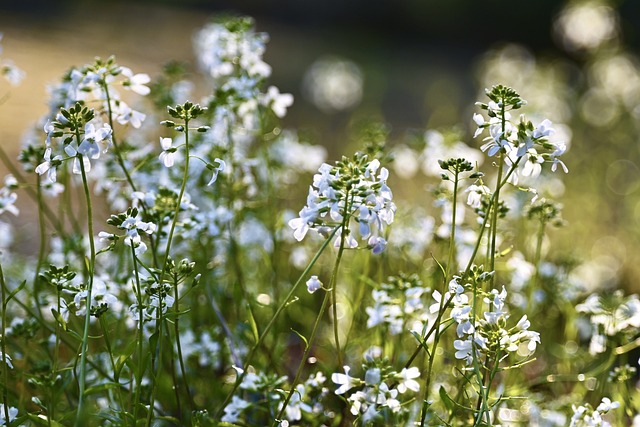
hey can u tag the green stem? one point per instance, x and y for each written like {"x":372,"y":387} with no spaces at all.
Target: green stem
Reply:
{"x":496,"y":197}
{"x":536,"y":261}
{"x":285,"y":302}
{"x":3,"y":348}
{"x":107,"y":342}
{"x":305,"y":355}
{"x":140,"y":368}
{"x":163,"y":273}
{"x":442,"y":307}
{"x":179,"y":347}
{"x":33,"y":194}
{"x":334,"y":274}
{"x":120,"y":159}
{"x":494,"y":218}
{"x":91,"y":266}
{"x":436,"y":323}
{"x":42,"y":246}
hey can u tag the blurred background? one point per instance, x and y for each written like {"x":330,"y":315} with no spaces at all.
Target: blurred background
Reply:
{"x":415,"y":65}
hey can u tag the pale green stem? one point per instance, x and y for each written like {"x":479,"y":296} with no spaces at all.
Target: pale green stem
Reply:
{"x":140,"y":368}
{"x":334,"y":275}
{"x":119,"y":158}
{"x":183,"y":187}
{"x":42,"y":246}
{"x":436,"y":323}
{"x":536,"y":261}
{"x":3,"y":347}
{"x":331,"y":292}
{"x":179,"y":346}
{"x":305,"y":355}
{"x":279,"y":310}
{"x":107,"y":342}
{"x":282,"y":306}
{"x":91,"y":266}
{"x":442,"y":307}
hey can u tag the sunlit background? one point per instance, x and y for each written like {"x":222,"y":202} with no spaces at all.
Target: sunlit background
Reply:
{"x":417,"y":66}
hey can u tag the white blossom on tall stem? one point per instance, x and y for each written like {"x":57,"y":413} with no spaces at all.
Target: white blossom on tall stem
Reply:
{"x":356,"y":185}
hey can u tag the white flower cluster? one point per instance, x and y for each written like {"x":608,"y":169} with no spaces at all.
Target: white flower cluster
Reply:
{"x":398,"y":309}
{"x":7,"y":197}
{"x":586,"y":416}
{"x":9,"y":70}
{"x":102,"y":298}
{"x":490,"y":334}
{"x":223,"y":47}
{"x":305,"y":399}
{"x":203,"y":347}
{"x":610,"y":315}
{"x":133,"y":226}
{"x":356,"y":188}
{"x":86,"y":86}
{"x":518,"y":142}
{"x":376,"y":394}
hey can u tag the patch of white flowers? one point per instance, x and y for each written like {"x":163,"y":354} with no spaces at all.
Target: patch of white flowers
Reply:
{"x":352,"y":191}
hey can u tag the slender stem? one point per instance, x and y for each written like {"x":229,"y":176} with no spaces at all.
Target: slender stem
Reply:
{"x":285,"y":302}
{"x":3,"y":348}
{"x":91,"y":266}
{"x":116,"y":147}
{"x":496,"y":197}
{"x":33,"y":194}
{"x":120,"y":159}
{"x":494,"y":217}
{"x":107,"y":342}
{"x":334,"y":275}
{"x":179,"y":346}
{"x":436,"y":323}
{"x":436,"y":339}
{"x":42,"y":247}
{"x":140,"y":332}
{"x":536,"y":261}
{"x":158,"y":349}
{"x":305,"y":355}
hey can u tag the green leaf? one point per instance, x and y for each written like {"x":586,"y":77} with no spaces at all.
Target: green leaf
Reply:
{"x":253,"y":324}
{"x":42,"y":420}
{"x":100,"y":388}
{"x":306,"y":343}
{"x":448,"y":401}
{"x":59,"y":318}
{"x":15,"y":291}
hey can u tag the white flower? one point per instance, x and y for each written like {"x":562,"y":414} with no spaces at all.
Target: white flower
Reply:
{"x":313,"y":284}
{"x":233,"y":410}
{"x":479,"y":119}
{"x":167,"y":157}
{"x":137,"y":82}
{"x":89,"y":147}
{"x":13,"y":413}
{"x":7,"y":359}
{"x":606,"y":405}
{"x":345,"y":381}
{"x":220,"y":168}
{"x":377,"y":244}
{"x":407,"y":380}
{"x":476,"y":192}
{"x":11,"y":72}
{"x":278,"y":101}
{"x":126,"y":115}
{"x":7,"y":201}
{"x":543,"y":129}
{"x":49,"y":165}
{"x":533,"y":165}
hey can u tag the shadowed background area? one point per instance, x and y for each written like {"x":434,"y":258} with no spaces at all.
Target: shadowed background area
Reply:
{"x":415,"y":65}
